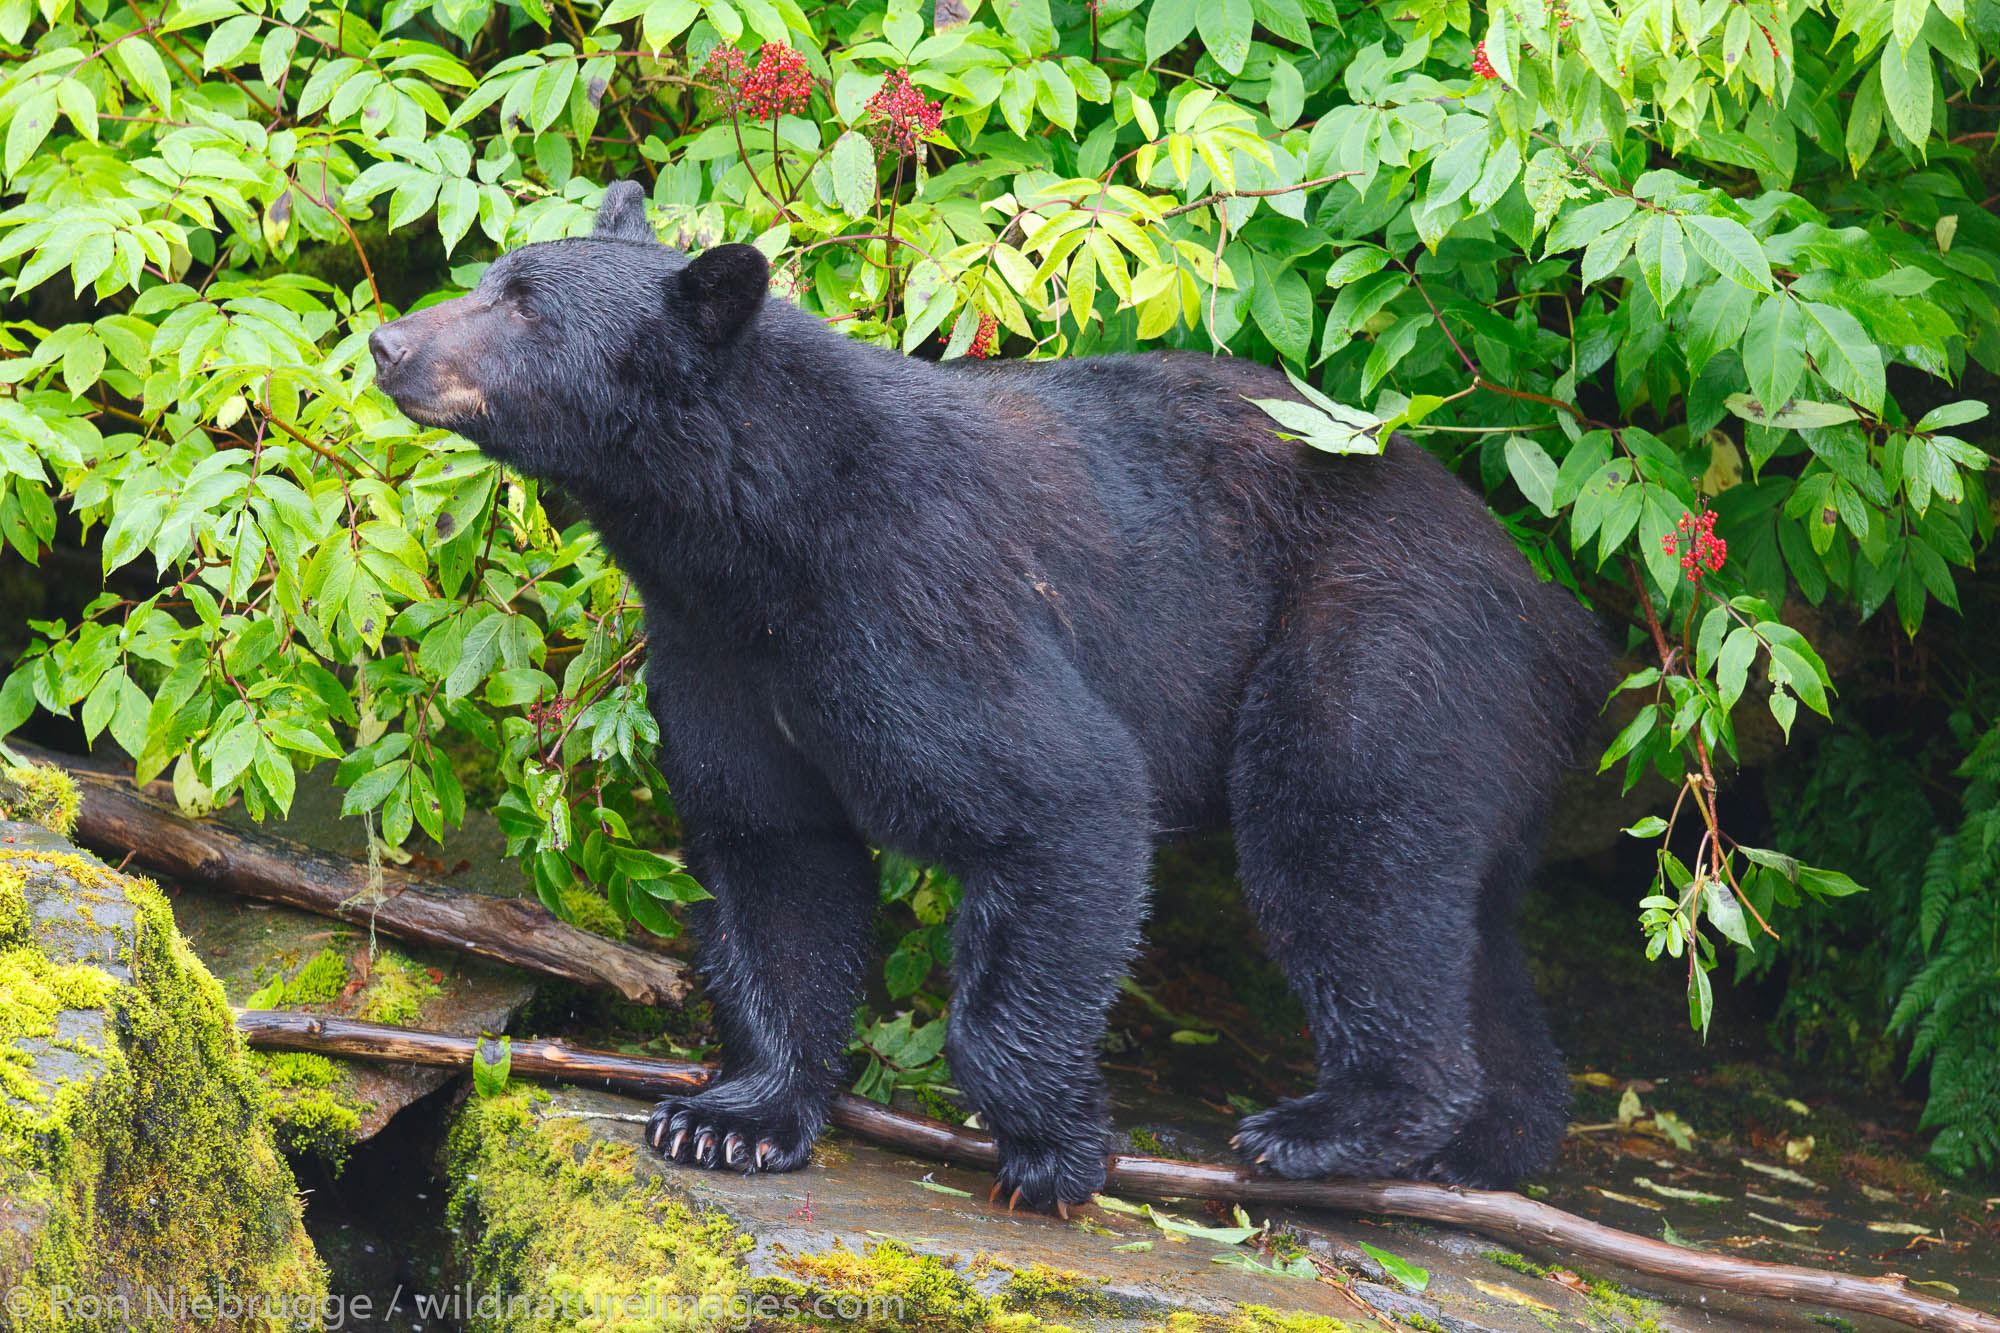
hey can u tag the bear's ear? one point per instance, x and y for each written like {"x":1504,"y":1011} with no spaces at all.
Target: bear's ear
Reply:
{"x":724,"y":286}
{"x":622,"y":214}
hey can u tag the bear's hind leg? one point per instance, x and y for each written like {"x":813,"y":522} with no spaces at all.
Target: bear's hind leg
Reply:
{"x":1521,"y":1119}
{"x":1371,"y":799}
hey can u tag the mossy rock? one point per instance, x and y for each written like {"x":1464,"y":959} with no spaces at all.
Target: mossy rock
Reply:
{"x":137,"y":1171}
{"x":37,"y":794}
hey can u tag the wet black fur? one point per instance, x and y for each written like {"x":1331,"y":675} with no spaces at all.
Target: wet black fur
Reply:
{"x":1028,"y":620}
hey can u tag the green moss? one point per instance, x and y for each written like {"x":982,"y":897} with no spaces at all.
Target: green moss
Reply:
{"x":33,"y":991}
{"x":588,"y":910}
{"x":1262,"y":1319}
{"x":1509,"y":1259}
{"x":36,"y":794}
{"x":937,"y":1105}
{"x":396,"y":990}
{"x":892,"y":1286}
{"x":1610,"y":1305}
{"x":545,"y":1213}
{"x":1042,"y":1288}
{"x":13,"y":909}
{"x":154,"y":1167}
{"x":295,"y":1069}
{"x":320,"y":981}
{"x":316,"y":1124}
{"x":1426,"y":1325}
{"x":306,"y":1116}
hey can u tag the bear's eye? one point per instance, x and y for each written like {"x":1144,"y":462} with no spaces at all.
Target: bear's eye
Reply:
{"x":519,"y":301}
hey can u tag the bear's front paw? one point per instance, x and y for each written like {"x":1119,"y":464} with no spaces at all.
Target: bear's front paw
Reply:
{"x":1048,"y":1179}
{"x":728,"y":1131}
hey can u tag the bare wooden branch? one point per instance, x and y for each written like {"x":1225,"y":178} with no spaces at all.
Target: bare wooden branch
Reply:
{"x":117,"y":818}
{"x":1494,"y":1212}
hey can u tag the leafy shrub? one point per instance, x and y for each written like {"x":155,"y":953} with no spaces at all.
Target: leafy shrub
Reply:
{"x":1622,"y":264}
{"x":1919,"y":956}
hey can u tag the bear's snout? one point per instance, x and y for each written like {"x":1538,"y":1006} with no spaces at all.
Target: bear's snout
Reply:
{"x":388,"y":345}
{"x":426,"y":362}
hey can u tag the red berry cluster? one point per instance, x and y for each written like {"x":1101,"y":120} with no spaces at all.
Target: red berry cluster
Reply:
{"x":985,"y":340}
{"x":779,"y":84}
{"x":1562,"y":16}
{"x":1704,"y":552}
{"x":900,"y":115}
{"x":724,"y":70}
{"x":548,"y":716}
{"x":1481,"y":66}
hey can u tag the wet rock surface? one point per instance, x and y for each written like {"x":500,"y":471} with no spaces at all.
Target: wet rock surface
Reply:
{"x":858,"y":1208}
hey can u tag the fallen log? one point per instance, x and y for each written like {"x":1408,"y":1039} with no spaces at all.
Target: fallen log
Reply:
{"x":116,"y":818}
{"x":1495,"y":1212}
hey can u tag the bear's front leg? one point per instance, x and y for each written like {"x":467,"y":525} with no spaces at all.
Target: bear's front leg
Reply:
{"x":782,"y":948}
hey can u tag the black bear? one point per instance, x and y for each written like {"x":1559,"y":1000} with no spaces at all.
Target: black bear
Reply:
{"x":1026,"y":621}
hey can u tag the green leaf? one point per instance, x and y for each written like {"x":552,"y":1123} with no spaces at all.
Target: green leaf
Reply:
{"x":1225,"y":30}
{"x":1533,"y":471}
{"x":1219,"y":1235}
{"x":1725,"y":912}
{"x":905,"y":970}
{"x":1730,"y":249}
{"x":1732,"y":665}
{"x":1774,"y":351}
{"x":1907,"y":80}
{"x":1287,"y":97}
{"x":853,"y":164}
{"x":1826,"y":883}
{"x":229,"y":40}
{"x":1412,"y":1278}
{"x":1662,"y":261}
{"x":30,"y":125}
{"x":1282,"y":306}
{"x":1168,"y":24}
{"x":1845,"y":354}
{"x":477,"y":654}
{"x":1701,"y":999}
{"x":489,"y":1071}
{"x":458,"y":207}
{"x":1794,"y":415}
{"x":1635,"y":731}
{"x":1953,"y":414}
{"x":1864,"y":121}
{"x":141,"y":62}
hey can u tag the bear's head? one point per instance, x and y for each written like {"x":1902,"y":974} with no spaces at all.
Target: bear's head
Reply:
{"x":568,"y":347}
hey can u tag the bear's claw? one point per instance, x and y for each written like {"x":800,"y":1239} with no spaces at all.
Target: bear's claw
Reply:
{"x":1046,"y":1181}
{"x":695,"y":1131}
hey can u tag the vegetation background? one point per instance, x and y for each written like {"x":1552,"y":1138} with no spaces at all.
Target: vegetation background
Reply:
{"x":1701,"y":293}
